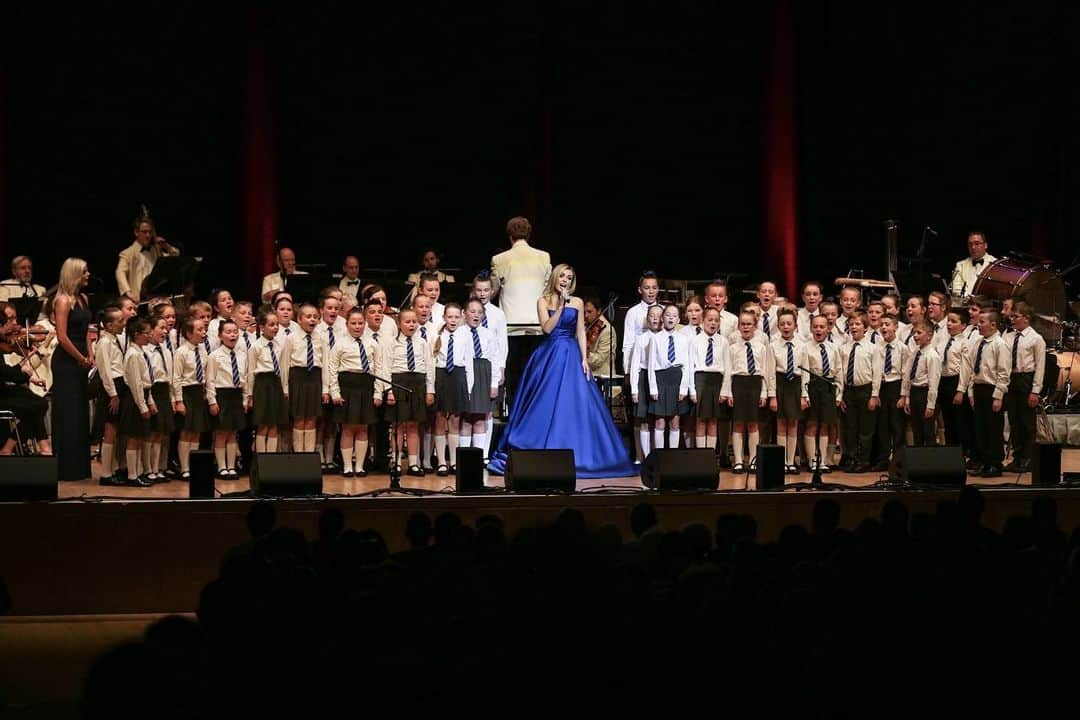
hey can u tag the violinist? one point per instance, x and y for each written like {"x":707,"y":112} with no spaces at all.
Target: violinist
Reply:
{"x":15,"y":397}
{"x":599,"y":339}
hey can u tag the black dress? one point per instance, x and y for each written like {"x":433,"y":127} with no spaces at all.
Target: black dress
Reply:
{"x":71,"y":403}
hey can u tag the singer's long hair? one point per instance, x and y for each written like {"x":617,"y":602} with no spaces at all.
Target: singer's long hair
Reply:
{"x":71,"y":275}
{"x":550,"y":291}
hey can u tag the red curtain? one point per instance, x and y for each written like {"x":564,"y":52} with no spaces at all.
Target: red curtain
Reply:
{"x":780,"y":152}
{"x":260,"y":181}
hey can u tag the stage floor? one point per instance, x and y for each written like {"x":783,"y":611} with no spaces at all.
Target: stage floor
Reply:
{"x":338,"y":486}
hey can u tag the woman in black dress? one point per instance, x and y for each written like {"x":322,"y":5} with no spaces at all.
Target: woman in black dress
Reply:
{"x":71,"y":362}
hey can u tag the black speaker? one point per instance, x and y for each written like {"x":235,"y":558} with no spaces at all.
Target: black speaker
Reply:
{"x":201,"y":484}
{"x":691,"y":469}
{"x":286,"y":474}
{"x":770,"y":467}
{"x":530,"y":471}
{"x":470,"y":470}
{"x":1045,"y":464}
{"x":30,"y":477}
{"x":932,"y":465}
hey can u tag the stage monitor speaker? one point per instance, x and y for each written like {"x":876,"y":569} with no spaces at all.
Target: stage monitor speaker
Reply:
{"x":470,"y":470}
{"x":30,"y":477}
{"x":770,"y":467}
{"x":538,"y":471}
{"x":932,"y":465}
{"x":1046,"y":464}
{"x":286,"y":474}
{"x":690,"y":469}
{"x":201,"y":484}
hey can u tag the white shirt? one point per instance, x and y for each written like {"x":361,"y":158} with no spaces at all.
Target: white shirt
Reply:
{"x":219,"y":373}
{"x":802,"y":322}
{"x":729,"y":323}
{"x":349,"y":287}
{"x":109,"y":359}
{"x":864,"y":362}
{"x":261,"y":360}
{"x":12,"y":289}
{"x":899,"y":356}
{"x":927,"y":374}
{"x":994,"y":366}
{"x":952,"y":355}
{"x":737,"y":365}
{"x":274,"y":282}
{"x":184,"y":369}
{"x":137,"y":369}
{"x":639,"y":360}
{"x":633,"y":326}
{"x":489,"y":350}
{"x":874,"y":336}
{"x":658,"y":359}
{"x":774,"y":330}
{"x":965,"y":273}
{"x":779,"y":349}
{"x":438,"y":310}
{"x":1030,"y":355}
{"x":700,"y":347}
{"x":836,"y":363}
{"x":393,"y":358}
{"x":161,"y":360}
{"x":496,"y":322}
{"x":296,"y":352}
{"x":345,"y":357}
{"x":463,"y":352}
{"x":338,"y":330}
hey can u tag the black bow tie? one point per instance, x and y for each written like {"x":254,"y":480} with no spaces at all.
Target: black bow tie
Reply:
{"x":978,"y":262}
{"x":350,"y":283}
{"x":147,"y":248}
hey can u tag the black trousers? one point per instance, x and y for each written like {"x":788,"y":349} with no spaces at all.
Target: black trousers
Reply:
{"x":890,"y":423}
{"x":29,"y":409}
{"x":952,"y":416}
{"x":859,"y":422}
{"x":1021,"y":415}
{"x":923,"y":431}
{"x":989,"y":427}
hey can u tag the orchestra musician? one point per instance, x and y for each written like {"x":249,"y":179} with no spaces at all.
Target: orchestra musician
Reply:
{"x":968,"y":270}
{"x":29,"y":409}
{"x":277,"y":281}
{"x":138,"y":259}
{"x":21,"y":284}
{"x":599,"y":339}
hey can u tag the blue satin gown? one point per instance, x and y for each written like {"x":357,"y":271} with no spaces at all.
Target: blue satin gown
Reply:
{"x":558,"y":406}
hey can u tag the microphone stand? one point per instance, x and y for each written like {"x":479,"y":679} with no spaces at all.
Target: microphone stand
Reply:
{"x":815,"y":479}
{"x":395,"y":467}
{"x":608,"y":314}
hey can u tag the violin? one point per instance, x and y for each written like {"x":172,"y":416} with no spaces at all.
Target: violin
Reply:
{"x":592,"y":333}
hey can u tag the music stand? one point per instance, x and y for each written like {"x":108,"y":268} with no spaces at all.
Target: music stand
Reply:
{"x":172,"y":275}
{"x":306,"y":287}
{"x":395,"y":468}
{"x":27,"y":309}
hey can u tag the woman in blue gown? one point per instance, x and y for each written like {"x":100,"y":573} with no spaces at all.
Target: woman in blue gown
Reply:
{"x":558,"y":406}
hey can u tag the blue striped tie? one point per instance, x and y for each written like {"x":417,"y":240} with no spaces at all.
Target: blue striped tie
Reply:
{"x":671,"y":349}
{"x":825,"y":369}
{"x":945,"y":353}
{"x":1016,"y":349}
{"x":709,"y":354}
{"x":484,"y":321}
{"x":978,"y":355}
{"x":206,"y":344}
{"x":247,"y":340}
{"x":198,"y":366}
{"x":450,"y":354}
{"x":423,"y":333}
{"x":168,"y":343}
{"x":164,"y":365}
{"x":914,"y":365}
{"x":365,"y":365}
{"x":765,"y":322}
{"x":751,"y":366}
{"x":790,"y":362}
{"x":330,"y":335}
{"x":310,"y":354}
{"x":235,"y":369}
{"x":476,"y":344}
{"x":149,"y":367}
{"x":410,"y":357}
{"x":850,"y":379}
{"x":888,"y":358}
{"x":273,"y":356}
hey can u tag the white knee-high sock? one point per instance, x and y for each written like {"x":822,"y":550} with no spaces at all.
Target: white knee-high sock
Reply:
{"x":673,"y":439}
{"x":753,"y":443}
{"x":479,"y":440}
{"x":736,"y":441}
{"x":710,"y":441}
{"x":658,"y":438}
{"x":360,"y":448}
{"x":183,"y":449}
{"x":452,"y":442}
{"x":644,"y":441}
{"x":107,"y":450}
{"x":219,"y":455}
{"x":639,"y":450}
{"x":487,"y":435}
{"x":701,"y":441}
{"x":346,"y":457}
{"x":811,"y":450}
{"x":440,"y":450}
{"x":132,"y":462}
{"x":413,"y":459}
{"x":309,"y":440}
{"x":428,"y":443}
{"x":298,"y":440}
{"x":271,"y":443}
{"x":830,"y":451}
{"x":790,"y":446}
{"x":329,"y":440}
{"x":232,"y":453}
{"x":147,"y":457}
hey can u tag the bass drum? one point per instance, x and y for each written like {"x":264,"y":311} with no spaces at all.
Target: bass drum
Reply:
{"x":1066,"y":365}
{"x":1033,"y":282}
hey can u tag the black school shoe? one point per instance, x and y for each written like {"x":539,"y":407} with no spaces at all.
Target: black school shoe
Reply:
{"x":991,"y":471}
{"x":415,"y":471}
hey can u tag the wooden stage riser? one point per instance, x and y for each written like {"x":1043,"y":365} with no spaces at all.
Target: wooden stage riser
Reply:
{"x":70,"y":558}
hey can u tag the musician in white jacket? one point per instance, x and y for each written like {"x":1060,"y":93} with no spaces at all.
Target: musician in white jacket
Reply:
{"x":968,"y":270}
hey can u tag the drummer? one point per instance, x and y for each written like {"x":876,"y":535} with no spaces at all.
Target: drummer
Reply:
{"x":970,"y":268}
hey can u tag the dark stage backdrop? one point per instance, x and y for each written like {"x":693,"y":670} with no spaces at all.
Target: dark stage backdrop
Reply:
{"x":681,"y":136}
